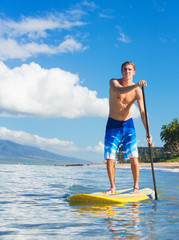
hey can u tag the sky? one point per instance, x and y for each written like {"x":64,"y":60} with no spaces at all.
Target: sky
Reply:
{"x":56,"y":60}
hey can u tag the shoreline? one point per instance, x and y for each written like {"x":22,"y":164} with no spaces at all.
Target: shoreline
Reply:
{"x":164,"y":164}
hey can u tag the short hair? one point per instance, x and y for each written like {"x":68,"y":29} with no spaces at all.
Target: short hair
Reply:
{"x":127,"y":63}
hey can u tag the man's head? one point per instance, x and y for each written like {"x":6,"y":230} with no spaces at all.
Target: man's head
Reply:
{"x":127,"y":63}
{"x":128,"y":70}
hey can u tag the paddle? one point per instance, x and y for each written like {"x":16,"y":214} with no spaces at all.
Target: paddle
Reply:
{"x":149,"y":144}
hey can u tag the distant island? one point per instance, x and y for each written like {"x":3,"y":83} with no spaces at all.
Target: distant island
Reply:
{"x":13,"y":153}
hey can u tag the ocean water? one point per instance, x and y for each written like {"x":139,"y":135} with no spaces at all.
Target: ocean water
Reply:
{"x":34,"y":204}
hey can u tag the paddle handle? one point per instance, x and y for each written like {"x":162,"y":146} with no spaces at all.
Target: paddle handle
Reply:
{"x":149,"y":144}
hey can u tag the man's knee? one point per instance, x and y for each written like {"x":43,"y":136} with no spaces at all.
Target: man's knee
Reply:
{"x":110,"y":162}
{"x":134,"y":160}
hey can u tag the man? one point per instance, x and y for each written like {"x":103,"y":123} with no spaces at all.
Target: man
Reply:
{"x":120,"y":129}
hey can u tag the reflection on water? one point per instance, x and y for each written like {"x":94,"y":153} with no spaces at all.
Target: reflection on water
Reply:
{"x":122,"y":220}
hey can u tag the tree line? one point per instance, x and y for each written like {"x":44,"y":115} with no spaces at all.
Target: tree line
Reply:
{"x":170,"y":136}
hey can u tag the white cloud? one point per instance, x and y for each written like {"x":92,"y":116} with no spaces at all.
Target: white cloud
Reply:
{"x":70,"y":45}
{"x":135,"y":111}
{"x":37,"y":27}
{"x":11,"y":49}
{"x":50,"y":144}
{"x":103,"y":15}
{"x":54,"y":145}
{"x":30,"y":90}
{"x":91,"y":5}
{"x":33,"y":35}
{"x":106,"y":13}
{"x":99,"y":148}
{"x":122,"y":36}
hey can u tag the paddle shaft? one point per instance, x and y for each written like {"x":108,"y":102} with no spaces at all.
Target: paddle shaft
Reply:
{"x":149,"y":144}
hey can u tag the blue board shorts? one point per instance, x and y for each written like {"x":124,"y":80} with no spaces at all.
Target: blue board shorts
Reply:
{"x":120,"y":134}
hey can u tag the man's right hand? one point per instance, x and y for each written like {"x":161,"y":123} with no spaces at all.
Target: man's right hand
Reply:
{"x":142,"y":83}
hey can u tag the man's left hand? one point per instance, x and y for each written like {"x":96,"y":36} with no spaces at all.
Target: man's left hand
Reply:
{"x":149,"y":140}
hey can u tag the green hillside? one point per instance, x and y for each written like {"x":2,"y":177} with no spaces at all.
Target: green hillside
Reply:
{"x":11,"y":152}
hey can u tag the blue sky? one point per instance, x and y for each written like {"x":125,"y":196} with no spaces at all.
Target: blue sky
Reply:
{"x":56,"y":60}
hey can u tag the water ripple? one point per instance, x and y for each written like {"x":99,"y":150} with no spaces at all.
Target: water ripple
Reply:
{"x":34,"y":205}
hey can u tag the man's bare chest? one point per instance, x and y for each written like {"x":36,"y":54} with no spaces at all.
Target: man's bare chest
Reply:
{"x":126,"y":98}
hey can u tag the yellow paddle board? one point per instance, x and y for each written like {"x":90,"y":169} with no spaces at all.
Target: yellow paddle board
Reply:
{"x":121,"y":196}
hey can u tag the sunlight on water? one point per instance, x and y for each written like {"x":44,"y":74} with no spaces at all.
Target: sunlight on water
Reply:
{"x":34,"y":204}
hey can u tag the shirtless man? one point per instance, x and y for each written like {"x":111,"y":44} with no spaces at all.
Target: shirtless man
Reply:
{"x":120,"y":128}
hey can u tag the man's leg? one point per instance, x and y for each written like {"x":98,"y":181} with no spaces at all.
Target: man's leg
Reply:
{"x":135,"y":173}
{"x":111,"y":175}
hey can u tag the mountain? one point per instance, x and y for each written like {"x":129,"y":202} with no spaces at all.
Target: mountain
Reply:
{"x":11,"y":152}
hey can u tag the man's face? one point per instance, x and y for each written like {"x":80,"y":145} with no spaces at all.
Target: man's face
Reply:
{"x":128,"y":71}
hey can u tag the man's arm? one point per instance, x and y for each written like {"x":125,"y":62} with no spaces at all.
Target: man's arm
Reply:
{"x":115,"y":85}
{"x":142,"y":113}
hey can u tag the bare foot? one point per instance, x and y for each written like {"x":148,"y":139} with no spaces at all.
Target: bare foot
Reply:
{"x":110,"y":191}
{"x":136,"y":190}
